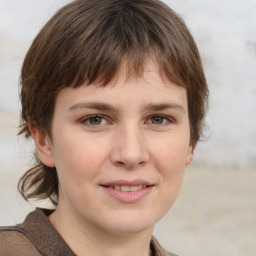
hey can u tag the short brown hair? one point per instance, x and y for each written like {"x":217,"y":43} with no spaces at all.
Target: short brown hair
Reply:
{"x":85,"y":42}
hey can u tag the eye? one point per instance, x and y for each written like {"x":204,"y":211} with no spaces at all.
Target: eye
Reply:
{"x":94,"y":120}
{"x":157,"y":119}
{"x":160,"y":120}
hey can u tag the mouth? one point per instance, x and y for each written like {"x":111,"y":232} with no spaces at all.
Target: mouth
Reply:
{"x":128,"y":192}
{"x":126,"y":188}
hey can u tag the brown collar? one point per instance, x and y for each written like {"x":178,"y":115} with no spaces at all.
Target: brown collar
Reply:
{"x":48,"y":241}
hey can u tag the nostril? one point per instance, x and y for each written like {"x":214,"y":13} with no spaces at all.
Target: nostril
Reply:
{"x":124,"y":155}
{"x":129,"y":165}
{"x":142,"y":162}
{"x":120,"y":163}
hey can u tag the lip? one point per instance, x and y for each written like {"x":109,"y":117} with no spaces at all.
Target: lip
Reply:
{"x":127,"y":196}
{"x":127,"y":183}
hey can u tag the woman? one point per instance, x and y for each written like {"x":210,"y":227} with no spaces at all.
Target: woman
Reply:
{"x":114,"y":96}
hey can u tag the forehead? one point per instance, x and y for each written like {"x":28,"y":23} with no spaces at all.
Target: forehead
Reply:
{"x":125,"y":91}
{"x":150,"y":72}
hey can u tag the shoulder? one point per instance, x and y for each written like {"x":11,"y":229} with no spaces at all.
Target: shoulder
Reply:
{"x":34,"y":237}
{"x":14,"y":243}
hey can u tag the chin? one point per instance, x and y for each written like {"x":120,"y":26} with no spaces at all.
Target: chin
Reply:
{"x":129,"y":223}
{"x":129,"y":229}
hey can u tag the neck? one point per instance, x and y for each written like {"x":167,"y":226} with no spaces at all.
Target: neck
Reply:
{"x":86,"y":239}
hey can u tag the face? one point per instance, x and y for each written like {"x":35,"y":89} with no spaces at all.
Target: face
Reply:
{"x":120,"y":151}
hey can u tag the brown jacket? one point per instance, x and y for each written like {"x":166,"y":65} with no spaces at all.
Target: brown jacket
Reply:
{"x":36,"y":237}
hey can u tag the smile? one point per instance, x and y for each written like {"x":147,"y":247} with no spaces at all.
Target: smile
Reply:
{"x":128,"y":192}
{"x":128,"y":188}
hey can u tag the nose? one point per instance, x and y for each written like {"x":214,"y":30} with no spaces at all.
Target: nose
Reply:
{"x":129,"y":150}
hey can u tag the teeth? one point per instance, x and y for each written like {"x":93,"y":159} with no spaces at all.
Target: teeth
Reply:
{"x":125,"y":188}
{"x":128,"y":188}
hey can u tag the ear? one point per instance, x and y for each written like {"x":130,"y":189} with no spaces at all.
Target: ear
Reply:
{"x":190,"y":155}
{"x":43,"y":146}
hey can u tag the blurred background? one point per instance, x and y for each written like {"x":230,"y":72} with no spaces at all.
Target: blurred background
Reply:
{"x":215,"y":213}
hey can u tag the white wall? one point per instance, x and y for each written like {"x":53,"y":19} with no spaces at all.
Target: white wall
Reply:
{"x":226,"y":34}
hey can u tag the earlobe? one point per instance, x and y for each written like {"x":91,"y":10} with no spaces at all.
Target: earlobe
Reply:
{"x":43,"y":146}
{"x":190,"y":155}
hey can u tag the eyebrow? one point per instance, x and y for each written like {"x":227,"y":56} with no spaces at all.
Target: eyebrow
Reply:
{"x":93,"y":105}
{"x":163,"y":106}
{"x":108,"y":107}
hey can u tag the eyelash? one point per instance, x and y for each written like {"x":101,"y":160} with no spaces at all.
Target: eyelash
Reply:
{"x":88,"y":118}
{"x":166,"y":120}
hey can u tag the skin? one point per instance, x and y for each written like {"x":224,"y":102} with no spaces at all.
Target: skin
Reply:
{"x":141,"y":132}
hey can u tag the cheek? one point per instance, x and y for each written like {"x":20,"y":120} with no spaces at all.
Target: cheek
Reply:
{"x":72,"y":148}
{"x":171,"y":169}
{"x":170,"y":160}
{"x":78,"y":159}
{"x":76,"y":168}
{"x":171,"y":152}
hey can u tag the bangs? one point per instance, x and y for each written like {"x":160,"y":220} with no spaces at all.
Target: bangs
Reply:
{"x":89,"y":50}
{"x":86,"y":42}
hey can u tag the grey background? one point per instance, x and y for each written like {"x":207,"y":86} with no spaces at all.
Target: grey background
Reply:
{"x":215,"y":212}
